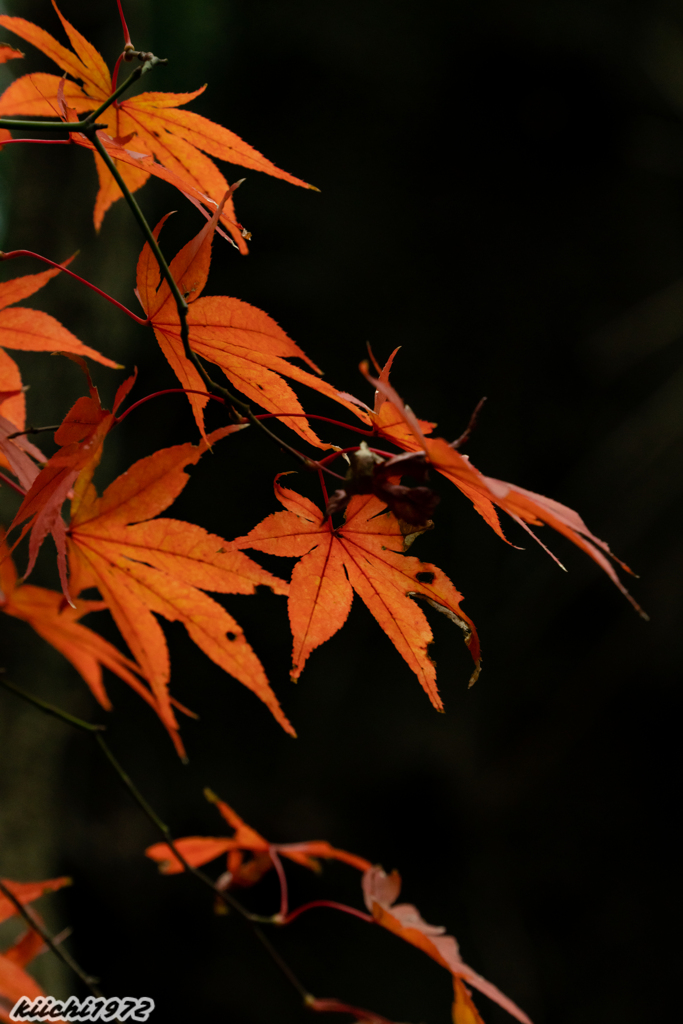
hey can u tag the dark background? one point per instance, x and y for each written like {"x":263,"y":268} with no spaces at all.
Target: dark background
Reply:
{"x":501,"y":196}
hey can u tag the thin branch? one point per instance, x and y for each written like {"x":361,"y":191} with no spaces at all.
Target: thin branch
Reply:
{"x":284,"y":967}
{"x":15,"y":253}
{"x":133,"y":77}
{"x":46,"y":126}
{"x":50,"y":709}
{"x":31,"y":430}
{"x":132,"y":788}
{"x":65,"y":957}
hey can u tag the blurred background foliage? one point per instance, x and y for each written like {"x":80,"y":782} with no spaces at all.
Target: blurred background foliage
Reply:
{"x":501,"y":196}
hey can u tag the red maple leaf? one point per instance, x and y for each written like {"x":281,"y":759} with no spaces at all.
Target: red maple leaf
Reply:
{"x":365,"y":555}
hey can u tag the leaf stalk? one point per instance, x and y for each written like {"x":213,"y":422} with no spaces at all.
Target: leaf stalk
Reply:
{"x":59,"y":266}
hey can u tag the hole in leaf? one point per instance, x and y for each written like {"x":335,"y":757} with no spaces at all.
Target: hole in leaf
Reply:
{"x":425,"y":577}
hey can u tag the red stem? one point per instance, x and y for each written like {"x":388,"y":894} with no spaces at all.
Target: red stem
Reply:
{"x":166,"y":391}
{"x":115,"y":74}
{"x":334,"y":1006}
{"x":40,"y":142}
{"x":216,"y":398}
{"x":324,"y":419}
{"x":36,"y":256}
{"x":321,"y":478}
{"x":261,"y":416}
{"x":11,"y":483}
{"x":333,"y":905}
{"x":126,"y":33}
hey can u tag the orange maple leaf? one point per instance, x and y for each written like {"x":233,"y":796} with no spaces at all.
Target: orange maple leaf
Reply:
{"x":381,"y":892}
{"x":80,"y":437}
{"x":30,"y":330}
{"x":198,"y":850}
{"x":14,"y":980}
{"x":57,"y":622}
{"x":393,"y":420}
{"x":366,"y":554}
{"x":143,"y":566}
{"x":8,"y":52}
{"x":17,"y":453}
{"x":27,"y":892}
{"x":178,"y":139}
{"x":15,"y":983}
{"x":464,"y":1010}
{"x":250,"y":348}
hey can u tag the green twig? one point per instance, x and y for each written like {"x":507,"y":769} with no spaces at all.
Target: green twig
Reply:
{"x":88,"y":122}
{"x":46,"y":126}
{"x":152,"y":62}
{"x":50,"y":709}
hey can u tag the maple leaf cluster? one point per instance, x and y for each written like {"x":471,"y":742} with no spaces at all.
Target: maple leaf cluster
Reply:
{"x":145,"y":565}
